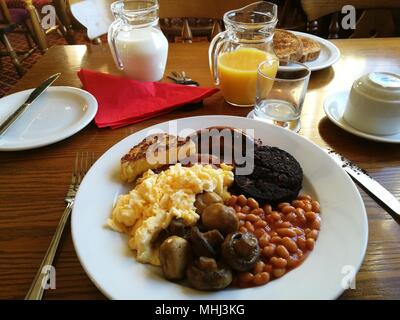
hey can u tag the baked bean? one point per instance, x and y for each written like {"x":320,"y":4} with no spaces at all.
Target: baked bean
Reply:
{"x":241,"y":223}
{"x":301,"y":242}
{"x":313,"y":234}
{"x":304,"y":197}
{"x":268,"y":268}
{"x":307,"y":206}
{"x":279,"y":272}
{"x":267,"y":209}
{"x":316,"y":224}
{"x":252,"y":218}
{"x":237,"y":208}
{"x":298,"y":204}
{"x":310,"y":242}
{"x":315,"y":206}
{"x":275,"y":216}
{"x":273,"y":233}
{"x":231,"y":201}
{"x":310,"y":216}
{"x":276,"y":240}
{"x":282,"y":251}
{"x":243,"y":229}
{"x":278,"y":262}
{"x":282,"y":205}
{"x":260,"y":224}
{"x":291,"y":217}
{"x":264,"y":240}
{"x":242,"y":200}
{"x":246,"y":278}
{"x":261,"y":278}
{"x":282,"y":224}
{"x":246,"y":209}
{"x":257,"y":212}
{"x":286,"y":232}
{"x":292,"y":262}
{"x":252,"y":203}
{"x":249,"y":226}
{"x":307,"y":230}
{"x":269,"y":250}
{"x":241,"y":215}
{"x":259,"y":232}
{"x":298,"y":231}
{"x":289,"y":244}
{"x":288,"y":209}
{"x":259,"y":267}
{"x":300,"y":215}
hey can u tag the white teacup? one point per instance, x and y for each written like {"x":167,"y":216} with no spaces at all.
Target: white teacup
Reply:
{"x":374,"y":103}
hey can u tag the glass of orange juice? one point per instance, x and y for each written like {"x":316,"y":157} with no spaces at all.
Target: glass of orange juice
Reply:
{"x":236,"y":53}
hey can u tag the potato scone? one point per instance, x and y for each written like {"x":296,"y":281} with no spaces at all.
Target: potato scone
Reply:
{"x":287,"y":45}
{"x":153,"y":152}
{"x":311,"y":49}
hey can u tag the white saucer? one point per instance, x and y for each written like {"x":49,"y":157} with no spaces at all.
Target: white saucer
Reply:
{"x":57,"y":114}
{"x":334,"y":107}
{"x":295,"y":127}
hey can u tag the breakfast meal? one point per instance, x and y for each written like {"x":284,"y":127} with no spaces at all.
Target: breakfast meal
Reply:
{"x":289,"y":46}
{"x":207,"y":226}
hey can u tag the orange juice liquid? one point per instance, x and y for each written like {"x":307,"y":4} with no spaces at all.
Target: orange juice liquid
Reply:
{"x":237,"y":72}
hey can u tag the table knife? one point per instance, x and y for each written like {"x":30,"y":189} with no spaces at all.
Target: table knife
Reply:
{"x":375,"y":189}
{"x":32,"y":97}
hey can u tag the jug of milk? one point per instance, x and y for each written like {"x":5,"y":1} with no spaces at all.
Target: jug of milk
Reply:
{"x":137,"y":43}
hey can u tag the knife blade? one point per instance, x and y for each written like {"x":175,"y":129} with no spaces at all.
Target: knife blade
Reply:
{"x":32,"y":97}
{"x":387,"y":200}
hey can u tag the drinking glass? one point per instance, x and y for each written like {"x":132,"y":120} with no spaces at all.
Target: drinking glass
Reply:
{"x":279,"y":98}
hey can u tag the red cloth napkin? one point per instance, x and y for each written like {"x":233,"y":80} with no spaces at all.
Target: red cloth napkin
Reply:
{"x":124,"y":101}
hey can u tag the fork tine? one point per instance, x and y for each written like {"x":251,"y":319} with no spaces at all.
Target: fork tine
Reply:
{"x":75,"y":172}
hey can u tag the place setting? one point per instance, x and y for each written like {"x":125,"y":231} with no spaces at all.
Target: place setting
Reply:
{"x":203,"y":174}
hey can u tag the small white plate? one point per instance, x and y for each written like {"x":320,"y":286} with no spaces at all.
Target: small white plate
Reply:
{"x":338,"y":253}
{"x":334,"y":107}
{"x":329,"y":54}
{"x":57,"y":114}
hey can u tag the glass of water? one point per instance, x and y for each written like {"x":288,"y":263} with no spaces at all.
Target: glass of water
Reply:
{"x":279,"y":99}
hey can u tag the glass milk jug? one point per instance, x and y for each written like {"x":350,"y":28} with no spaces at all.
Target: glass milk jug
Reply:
{"x":235,"y":54}
{"x":137,"y":43}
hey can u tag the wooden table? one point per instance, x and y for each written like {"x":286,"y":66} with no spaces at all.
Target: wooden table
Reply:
{"x":33,"y":183}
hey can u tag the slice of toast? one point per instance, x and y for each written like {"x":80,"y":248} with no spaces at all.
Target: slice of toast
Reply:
{"x":287,"y":45}
{"x":311,"y":49}
{"x":154,"y":152}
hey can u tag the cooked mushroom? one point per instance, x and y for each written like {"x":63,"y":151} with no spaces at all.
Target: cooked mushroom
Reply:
{"x":201,"y":245}
{"x":175,"y":255}
{"x":220,"y":217}
{"x":241,"y":251}
{"x":178,"y":227}
{"x":206,"y":274}
{"x":203,"y":200}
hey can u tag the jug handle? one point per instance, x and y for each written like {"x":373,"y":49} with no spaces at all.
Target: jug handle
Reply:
{"x":112,"y":35}
{"x":213,"y":52}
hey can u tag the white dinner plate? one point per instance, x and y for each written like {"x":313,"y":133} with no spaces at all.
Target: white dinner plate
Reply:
{"x":334,"y":107}
{"x":338,"y":253}
{"x":57,"y":114}
{"x":329,"y":54}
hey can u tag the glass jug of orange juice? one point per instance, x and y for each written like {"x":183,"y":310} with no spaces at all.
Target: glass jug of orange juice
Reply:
{"x":235,"y":54}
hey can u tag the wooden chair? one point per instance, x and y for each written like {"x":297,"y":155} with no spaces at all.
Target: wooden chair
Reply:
{"x":15,"y":20}
{"x":375,"y":17}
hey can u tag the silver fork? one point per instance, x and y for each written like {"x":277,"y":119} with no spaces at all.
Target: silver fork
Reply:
{"x":83,"y":162}
{"x":182,"y":78}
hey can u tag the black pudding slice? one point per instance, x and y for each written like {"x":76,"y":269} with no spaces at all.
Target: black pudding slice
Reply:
{"x":277,"y":176}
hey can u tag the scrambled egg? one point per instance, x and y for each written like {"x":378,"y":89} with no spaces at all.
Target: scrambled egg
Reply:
{"x":158,"y":198}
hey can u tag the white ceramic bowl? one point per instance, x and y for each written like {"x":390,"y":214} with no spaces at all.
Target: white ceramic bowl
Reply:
{"x":374,"y":103}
